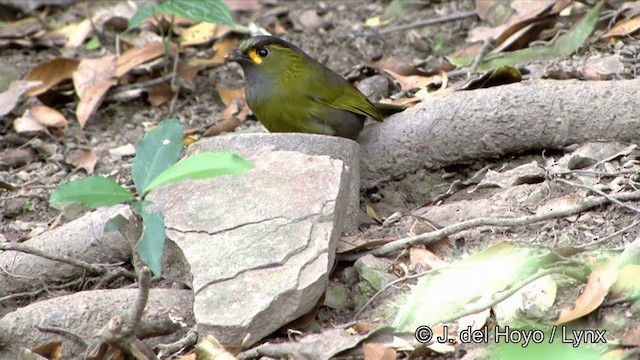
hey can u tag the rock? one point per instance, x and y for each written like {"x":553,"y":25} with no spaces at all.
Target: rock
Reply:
{"x":86,"y":312}
{"x":308,"y":21}
{"x":82,"y":239}
{"x":260,"y":244}
{"x":374,"y":270}
{"x":310,"y":144}
{"x":336,"y":297}
{"x":375,"y":87}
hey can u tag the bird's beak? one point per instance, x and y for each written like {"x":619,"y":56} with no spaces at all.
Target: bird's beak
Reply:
{"x":236,"y":55}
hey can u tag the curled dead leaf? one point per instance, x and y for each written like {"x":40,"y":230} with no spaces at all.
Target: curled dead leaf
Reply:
{"x":51,"y":73}
{"x":27,"y":124}
{"x":91,"y":100}
{"x":9,"y":98}
{"x":229,"y":95}
{"x":93,"y":71}
{"x":83,"y":158}
{"x":48,"y":117}
{"x":136,"y":56}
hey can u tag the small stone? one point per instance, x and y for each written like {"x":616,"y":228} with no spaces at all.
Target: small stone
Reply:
{"x":336,"y":297}
{"x":375,"y":87}
{"x":374,"y":270}
{"x":124,"y":150}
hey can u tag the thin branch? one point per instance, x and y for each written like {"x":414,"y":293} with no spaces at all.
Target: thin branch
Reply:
{"x":62,"y":331}
{"x":599,"y":192}
{"x":486,"y":46}
{"x":610,"y":236}
{"x":428,"y":22}
{"x":433,"y":236}
{"x":24,"y":248}
{"x":404,"y":278}
{"x":40,"y":291}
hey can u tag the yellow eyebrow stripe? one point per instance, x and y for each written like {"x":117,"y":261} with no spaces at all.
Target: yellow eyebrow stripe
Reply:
{"x":256,"y":59}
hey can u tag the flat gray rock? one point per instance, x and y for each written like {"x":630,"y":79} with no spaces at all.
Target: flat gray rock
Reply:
{"x":335,"y":147}
{"x":260,"y":244}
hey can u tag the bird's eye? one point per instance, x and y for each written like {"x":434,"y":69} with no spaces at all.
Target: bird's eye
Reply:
{"x":263,"y":53}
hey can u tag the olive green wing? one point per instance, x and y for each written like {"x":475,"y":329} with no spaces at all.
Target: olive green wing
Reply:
{"x":341,"y":94}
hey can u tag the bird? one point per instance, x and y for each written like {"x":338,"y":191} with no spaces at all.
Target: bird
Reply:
{"x":289,"y":91}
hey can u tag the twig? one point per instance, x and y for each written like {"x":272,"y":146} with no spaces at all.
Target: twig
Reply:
{"x":62,"y":331}
{"x":134,"y":316}
{"x":408,"y":277}
{"x":610,"y":236}
{"x":61,"y":258}
{"x":491,"y":221}
{"x":40,"y":291}
{"x":145,"y":84}
{"x":488,"y":42}
{"x":599,"y":192}
{"x":510,"y":290}
{"x":429,"y":22}
{"x":166,"y":350}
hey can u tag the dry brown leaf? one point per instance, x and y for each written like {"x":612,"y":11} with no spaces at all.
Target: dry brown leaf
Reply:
{"x":191,"y":356}
{"x":244,"y":5}
{"x":360,"y":327}
{"x":525,"y":33}
{"x":48,"y":116}
{"x":372,"y":213}
{"x":198,"y":34}
{"x":221,"y":47}
{"x":358,"y":243}
{"x":594,"y":293}
{"x":93,"y":71}
{"x":631,"y":337}
{"x":51,"y":73}
{"x":559,"y":203}
{"x":525,"y":13}
{"x":402,"y":101}
{"x":229,"y":95}
{"x":27,"y":123}
{"x":604,"y":68}
{"x":77,"y":33}
{"x":91,"y":100}
{"x":20,"y":28}
{"x":159,"y":94}
{"x":414,"y":81}
{"x":187,"y":72}
{"x":210,"y":348}
{"x":141,"y":39}
{"x":16,"y":157}
{"x":50,"y":351}
{"x":377,"y":351}
{"x":231,"y":118}
{"x":83,"y":158}
{"x":624,"y":28}
{"x":400,"y":67}
{"x":426,"y":258}
{"x":10,"y":98}
{"x":136,"y":56}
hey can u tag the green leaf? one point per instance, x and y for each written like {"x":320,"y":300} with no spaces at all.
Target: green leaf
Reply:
{"x":151,"y":244}
{"x":156,"y":152}
{"x":146,"y":11}
{"x":115,"y":223}
{"x":565,"y":45}
{"x":93,"y":191}
{"x":92,"y":44}
{"x":212,"y":11}
{"x":481,"y":281}
{"x":205,"y":165}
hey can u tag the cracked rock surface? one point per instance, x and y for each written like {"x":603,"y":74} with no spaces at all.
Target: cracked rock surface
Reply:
{"x":260,"y":244}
